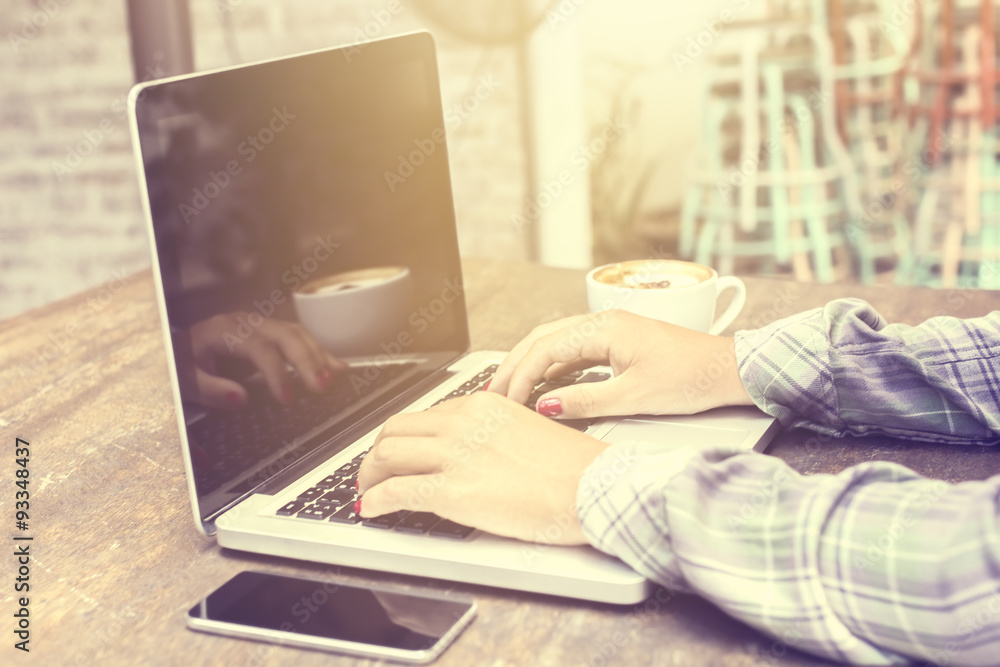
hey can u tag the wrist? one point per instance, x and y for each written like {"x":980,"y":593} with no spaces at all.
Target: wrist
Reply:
{"x":729,"y":388}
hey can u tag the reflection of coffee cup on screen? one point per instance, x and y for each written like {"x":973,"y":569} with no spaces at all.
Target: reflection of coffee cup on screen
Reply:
{"x":682,"y":293}
{"x":351,"y":313}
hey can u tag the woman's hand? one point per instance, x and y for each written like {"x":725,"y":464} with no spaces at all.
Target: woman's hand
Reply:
{"x":483,"y":461}
{"x":270,"y":347}
{"x":658,"y":368}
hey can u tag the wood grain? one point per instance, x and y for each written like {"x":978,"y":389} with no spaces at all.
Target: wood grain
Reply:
{"x":118,"y":560}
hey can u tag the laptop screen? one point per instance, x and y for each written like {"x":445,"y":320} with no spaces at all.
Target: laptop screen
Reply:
{"x":300,"y":208}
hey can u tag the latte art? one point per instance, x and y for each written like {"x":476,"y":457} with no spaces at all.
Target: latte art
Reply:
{"x":652,"y":275}
{"x":659,"y":281}
{"x":351,"y":280}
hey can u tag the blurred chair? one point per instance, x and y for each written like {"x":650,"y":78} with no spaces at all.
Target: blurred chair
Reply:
{"x":774,"y":181}
{"x":952,"y":112}
{"x":868,"y":61}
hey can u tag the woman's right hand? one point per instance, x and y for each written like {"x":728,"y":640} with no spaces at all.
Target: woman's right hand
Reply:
{"x":659,"y":368}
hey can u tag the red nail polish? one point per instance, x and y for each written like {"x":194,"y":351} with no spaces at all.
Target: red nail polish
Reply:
{"x":357,"y":485}
{"x":323,"y":379}
{"x":357,"y":507}
{"x":286,"y":394}
{"x":550,"y":407}
{"x":487,"y":385}
{"x":234,"y":400}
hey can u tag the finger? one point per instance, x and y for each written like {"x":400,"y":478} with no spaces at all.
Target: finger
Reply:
{"x":613,"y":397}
{"x":270,"y":362}
{"x":500,"y":381}
{"x":557,"y":371}
{"x":448,"y":405}
{"x":412,"y":424}
{"x":499,"y":384}
{"x":317,"y":350}
{"x":596,"y":399}
{"x":308,"y":363}
{"x":218,"y":392}
{"x":324,"y":357}
{"x":336,"y":364}
{"x":396,"y":456}
{"x":574,"y":345}
{"x":422,"y":493}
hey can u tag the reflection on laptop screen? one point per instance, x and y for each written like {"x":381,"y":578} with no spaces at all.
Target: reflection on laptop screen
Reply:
{"x":310,"y":191}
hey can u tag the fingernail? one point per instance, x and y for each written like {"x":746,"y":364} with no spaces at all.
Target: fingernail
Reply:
{"x":357,"y":507}
{"x":550,"y":407}
{"x":487,"y":385}
{"x":286,"y":393}
{"x":234,"y":400}
{"x":323,"y":378}
{"x":357,"y":485}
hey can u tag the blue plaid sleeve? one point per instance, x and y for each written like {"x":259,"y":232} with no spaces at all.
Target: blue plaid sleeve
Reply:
{"x":842,"y":370}
{"x":875,"y":566}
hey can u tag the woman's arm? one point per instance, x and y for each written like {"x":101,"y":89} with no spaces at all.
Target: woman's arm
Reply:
{"x":875,"y":565}
{"x":841,"y":369}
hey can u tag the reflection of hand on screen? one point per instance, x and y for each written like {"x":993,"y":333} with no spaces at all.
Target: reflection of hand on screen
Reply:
{"x":270,"y":347}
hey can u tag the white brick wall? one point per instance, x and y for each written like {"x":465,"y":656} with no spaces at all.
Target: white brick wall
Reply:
{"x":64,"y":71}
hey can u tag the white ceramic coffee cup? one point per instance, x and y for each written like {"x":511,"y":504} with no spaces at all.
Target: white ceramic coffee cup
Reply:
{"x":351,"y":313}
{"x":681,"y":293}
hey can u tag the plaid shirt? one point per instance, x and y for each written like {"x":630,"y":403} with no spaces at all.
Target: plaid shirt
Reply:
{"x":876,"y":565}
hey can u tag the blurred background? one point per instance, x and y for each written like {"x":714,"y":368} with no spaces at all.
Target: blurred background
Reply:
{"x":825,"y":140}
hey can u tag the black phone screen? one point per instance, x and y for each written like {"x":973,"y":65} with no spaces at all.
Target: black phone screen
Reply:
{"x":331,"y":611}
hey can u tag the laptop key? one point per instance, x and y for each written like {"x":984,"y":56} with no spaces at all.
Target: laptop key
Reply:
{"x":593,"y":377}
{"x":345,"y":515}
{"x":327,"y":508}
{"x":339,"y":496}
{"x":418,"y":522}
{"x":386,"y":521}
{"x":450,"y":529}
{"x":318,"y":512}
{"x":310,"y":494}
{"x":291,"y":508}
{"x":329,"y":481}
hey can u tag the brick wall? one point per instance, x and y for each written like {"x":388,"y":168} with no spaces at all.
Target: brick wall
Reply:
{"x":64,"y":71}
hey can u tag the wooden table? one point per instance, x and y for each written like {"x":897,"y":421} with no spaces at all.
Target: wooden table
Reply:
{"x":117,"y":558}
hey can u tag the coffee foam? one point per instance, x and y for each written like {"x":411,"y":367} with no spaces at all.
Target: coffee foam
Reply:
{"x":350,"y":280}
{"x":653,"y":274}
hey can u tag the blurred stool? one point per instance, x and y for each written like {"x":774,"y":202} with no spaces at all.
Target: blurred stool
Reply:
{"x":953,"y":116}
{"x":772,"y":176}
{"x":866,"y":72}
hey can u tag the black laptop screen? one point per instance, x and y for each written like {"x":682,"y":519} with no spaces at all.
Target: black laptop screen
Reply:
{"x":300,"y":207}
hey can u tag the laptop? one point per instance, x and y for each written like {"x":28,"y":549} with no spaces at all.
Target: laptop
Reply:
{"x":261,"y":179}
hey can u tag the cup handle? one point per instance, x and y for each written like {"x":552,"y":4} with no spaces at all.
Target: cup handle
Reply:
{"x":735,"y":306}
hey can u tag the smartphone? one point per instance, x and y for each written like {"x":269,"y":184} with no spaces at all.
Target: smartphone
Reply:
{"x":367,"y":621}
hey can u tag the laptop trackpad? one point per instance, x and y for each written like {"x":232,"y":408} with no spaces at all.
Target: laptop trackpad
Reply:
{"x":673,"y":435}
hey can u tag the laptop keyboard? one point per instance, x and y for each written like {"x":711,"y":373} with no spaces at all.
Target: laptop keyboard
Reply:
{"x":333,"y":497}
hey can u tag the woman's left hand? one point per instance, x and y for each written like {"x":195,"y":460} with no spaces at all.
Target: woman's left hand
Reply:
{"x":483,"y":461}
